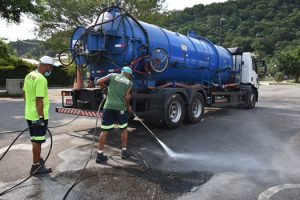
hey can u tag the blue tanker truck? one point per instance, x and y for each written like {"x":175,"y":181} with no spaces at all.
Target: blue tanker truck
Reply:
{"x":175,"y":76}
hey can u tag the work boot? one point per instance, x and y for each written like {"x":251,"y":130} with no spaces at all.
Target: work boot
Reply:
{"x":101,"y":158}
{"x":39,"y":169}
{"x":42,"y":162}
{"x":125,"y":154}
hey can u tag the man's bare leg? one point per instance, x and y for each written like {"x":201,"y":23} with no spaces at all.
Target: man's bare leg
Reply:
{"x":36,"y":152}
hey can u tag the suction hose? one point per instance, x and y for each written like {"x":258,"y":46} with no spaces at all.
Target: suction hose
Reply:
{"x":90,"y":155}
{"x":50,"y":149}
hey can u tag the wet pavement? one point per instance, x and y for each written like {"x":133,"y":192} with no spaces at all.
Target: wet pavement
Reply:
{"x":231,"y":154}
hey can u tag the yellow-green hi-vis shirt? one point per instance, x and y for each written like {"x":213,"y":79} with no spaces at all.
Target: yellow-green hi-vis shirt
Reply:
{"x":35,"y":85}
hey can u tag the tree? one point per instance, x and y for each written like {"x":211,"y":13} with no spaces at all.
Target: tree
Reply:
{"x":12,"y":10}
{"x":289,"y":62}
{"x":143,"y":9}
{"x":64,"y":16}
{"x":3,"y":49}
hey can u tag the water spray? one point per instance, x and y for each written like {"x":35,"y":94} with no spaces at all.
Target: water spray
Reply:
{"x":169,"y":151}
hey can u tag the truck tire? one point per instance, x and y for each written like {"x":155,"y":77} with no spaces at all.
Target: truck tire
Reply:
{"x":195,"y":109}
{"x":251,"y":99}
{"x":174,"y":111}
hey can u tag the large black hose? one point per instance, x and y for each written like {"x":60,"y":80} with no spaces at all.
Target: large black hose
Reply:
{"x":5,"y":132}
{"x":50,"y":149}
{"x":90,"y":155}
{"x":13,"y":143}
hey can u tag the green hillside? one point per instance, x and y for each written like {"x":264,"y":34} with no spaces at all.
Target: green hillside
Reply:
{"x":29,"y":48}
{"x":261,"y":26}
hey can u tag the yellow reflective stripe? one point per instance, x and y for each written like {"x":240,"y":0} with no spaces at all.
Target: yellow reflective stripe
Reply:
{"x":123,"y":125}
{"x":107,"y":127}
{"x":38,"y":137}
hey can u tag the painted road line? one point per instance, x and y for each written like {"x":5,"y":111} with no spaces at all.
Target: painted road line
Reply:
{"x":266,"y":195}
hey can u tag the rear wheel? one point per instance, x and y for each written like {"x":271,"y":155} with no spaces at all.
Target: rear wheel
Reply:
{"x":174,"y":111}
{"x":195,"y":109}
{"x":251,"y":99}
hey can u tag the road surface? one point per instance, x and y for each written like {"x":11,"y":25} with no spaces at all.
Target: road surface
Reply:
{"x":232,"y":154}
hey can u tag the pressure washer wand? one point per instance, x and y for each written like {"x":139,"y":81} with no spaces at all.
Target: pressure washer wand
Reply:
{"x":145,"y":126}
{"x":169,"y":151}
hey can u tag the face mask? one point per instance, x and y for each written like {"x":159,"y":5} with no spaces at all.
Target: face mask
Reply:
{"x":47,"y":73}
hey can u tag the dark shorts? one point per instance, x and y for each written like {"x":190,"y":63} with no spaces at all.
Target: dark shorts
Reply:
{"x":111,"y":117}
{"x":37,"y":133}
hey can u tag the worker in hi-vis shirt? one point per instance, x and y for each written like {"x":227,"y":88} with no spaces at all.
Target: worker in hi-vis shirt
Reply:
{"x":116,"y":108}
{"x":37,"y":110}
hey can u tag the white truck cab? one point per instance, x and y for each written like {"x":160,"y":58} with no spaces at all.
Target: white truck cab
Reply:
{"x":249,"y":69}
{"x":246,"y":65}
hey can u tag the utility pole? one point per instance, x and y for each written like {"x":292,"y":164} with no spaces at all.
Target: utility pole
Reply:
{"x":18,"y":47}
{"x":221,"y":19}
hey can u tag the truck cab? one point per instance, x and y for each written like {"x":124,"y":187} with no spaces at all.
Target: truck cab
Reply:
{"x":249,"y":73}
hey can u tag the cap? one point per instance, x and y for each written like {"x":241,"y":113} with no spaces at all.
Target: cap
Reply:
{"x":49,"y":61}
{"x":46,"y":60}
{"x":127,"y":70}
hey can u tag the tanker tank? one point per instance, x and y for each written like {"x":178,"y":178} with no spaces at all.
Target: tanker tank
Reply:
{"x":156,"y":55}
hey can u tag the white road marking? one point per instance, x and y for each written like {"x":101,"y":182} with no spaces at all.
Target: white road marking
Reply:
{"x":266,"y":195}
{"x":292,"y":115}
{"x":29,"y":146}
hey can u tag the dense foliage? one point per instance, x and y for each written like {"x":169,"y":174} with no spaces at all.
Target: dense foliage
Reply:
{"x":261,"y":26}
{"x":29,"y":48}
{"x":63,"y":16}
{"x":289,"y":62}
{"x":11,"y":10}
{"x":10,"y":66}
{"x":13,"y":67}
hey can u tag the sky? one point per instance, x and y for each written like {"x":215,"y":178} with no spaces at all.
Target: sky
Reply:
{"x":25,"y":30}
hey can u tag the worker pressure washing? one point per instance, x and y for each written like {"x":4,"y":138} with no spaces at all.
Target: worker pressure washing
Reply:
{"x":37,"y":105}
{"x":116,"y":109}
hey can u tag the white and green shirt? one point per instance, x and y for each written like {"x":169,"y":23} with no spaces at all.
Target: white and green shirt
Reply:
{"x":117,"y":88}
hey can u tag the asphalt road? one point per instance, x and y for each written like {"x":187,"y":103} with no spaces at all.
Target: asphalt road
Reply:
{"x":232,"y":154}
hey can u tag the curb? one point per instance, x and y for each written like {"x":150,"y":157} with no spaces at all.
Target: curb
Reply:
{"x":3,"y":93}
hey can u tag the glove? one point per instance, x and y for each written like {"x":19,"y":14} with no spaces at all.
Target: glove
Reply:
{"x":41,"y":122}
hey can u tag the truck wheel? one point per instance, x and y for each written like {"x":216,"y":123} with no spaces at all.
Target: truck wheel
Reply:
{"x":251,"y":100}
{"x":195,"y":109}
{"x":174,"y":111}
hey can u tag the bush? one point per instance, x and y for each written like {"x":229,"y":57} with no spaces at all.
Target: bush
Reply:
{"x":279,"y":76}
{"x":13,"y":68}
{"x":16,"y":68}
{"x":61,"y":76}
{"x":266,"y":78}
